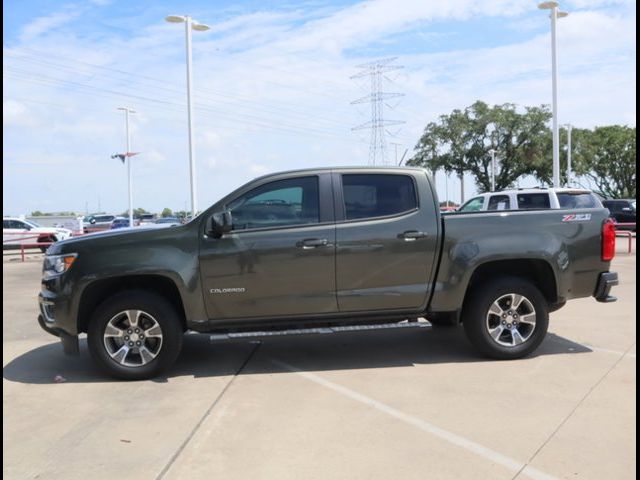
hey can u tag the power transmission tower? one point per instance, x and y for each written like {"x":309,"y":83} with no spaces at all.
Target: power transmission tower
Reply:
{"x":377,"y":98}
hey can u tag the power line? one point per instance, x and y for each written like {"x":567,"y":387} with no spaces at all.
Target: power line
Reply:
{"x":42,"y":58}
{"x":17,"y":73}
{"x":377,"y":99}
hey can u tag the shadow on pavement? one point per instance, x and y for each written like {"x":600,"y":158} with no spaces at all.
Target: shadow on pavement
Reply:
{"x":201,"y":357}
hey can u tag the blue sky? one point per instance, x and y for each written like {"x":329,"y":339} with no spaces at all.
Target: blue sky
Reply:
{"x":272,"y":86}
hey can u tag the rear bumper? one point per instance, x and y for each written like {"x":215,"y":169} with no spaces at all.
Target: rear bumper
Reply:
{"x":606,"y":280}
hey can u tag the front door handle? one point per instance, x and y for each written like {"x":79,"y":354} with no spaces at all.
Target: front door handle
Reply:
{"x":411,"y":235}
{"x":312,"y":243}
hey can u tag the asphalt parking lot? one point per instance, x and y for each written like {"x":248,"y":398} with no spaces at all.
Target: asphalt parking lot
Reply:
{"x":389,"y":404}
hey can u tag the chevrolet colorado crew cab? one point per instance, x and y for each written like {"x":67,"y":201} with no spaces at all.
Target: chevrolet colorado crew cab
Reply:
{"x":318,"y":248}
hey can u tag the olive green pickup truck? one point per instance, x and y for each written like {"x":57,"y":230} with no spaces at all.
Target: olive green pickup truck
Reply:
{"x":324,"y":248}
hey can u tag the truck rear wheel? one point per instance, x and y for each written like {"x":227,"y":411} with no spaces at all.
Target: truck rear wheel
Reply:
{"x":135,"y":335}
{"x":506,"y":318}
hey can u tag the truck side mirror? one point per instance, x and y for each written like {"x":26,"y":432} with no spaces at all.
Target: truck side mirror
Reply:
{"x":219,"y":224}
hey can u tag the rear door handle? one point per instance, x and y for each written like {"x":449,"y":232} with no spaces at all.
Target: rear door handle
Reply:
{"x":312,"y":243}
{"x":411,"y":235}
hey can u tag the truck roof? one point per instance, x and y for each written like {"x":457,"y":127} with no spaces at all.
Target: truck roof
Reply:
{"x":374,"y":168}
{"x":538,"y":190}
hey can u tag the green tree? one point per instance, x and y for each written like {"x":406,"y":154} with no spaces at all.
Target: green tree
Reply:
{"x":461,"y":142}
{"x":136,"y":212}
{"x":610,"y":158}
{"x":605,"y":155}
{"x":166,"y":212}
{"x":37,"y":213}
{"x":580,"y":163}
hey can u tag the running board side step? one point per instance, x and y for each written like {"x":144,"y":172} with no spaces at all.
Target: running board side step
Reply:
{"x":322,"y":330}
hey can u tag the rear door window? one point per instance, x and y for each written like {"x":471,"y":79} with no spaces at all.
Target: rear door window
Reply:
{"x":532,"y":201}
{"x":370,"y":196}
{"x":499,"y":202}
{"x":577,"y":200}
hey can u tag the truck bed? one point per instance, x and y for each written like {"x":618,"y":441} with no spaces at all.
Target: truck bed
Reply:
{"x":566,"y":241}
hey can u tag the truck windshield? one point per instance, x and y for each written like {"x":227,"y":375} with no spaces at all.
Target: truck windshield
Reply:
{"x":473,"y":205}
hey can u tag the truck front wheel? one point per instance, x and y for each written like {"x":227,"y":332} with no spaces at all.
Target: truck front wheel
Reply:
{"x":135,"y":335}
{"x":506,"y":318}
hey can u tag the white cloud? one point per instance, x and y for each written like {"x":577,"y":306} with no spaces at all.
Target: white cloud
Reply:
{"x":43,"y":25}
{"x":257,"y":169}
{"x":16,"y":114}
{"x":273,"y":91}
{"x":152,"y":157}
{"x":373,"y":20}
{"x":600,"y":3}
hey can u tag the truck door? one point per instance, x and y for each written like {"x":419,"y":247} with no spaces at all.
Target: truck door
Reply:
{"x":279,"y":259}
{"x":386,"y":240}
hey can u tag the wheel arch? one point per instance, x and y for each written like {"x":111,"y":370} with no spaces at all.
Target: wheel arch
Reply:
{"x":538,"y":272}
{"x":100,"y":290}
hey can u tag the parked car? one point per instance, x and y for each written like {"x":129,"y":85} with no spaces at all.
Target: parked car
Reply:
{"x":622,"y":211}
{"x":121,"y":222}
{"x":97,"y":222}
{"x":444,"y":209}
{"x":324,"y":248}
{"x":146,"y":218}
{"x":17,"y":231}
{"x":167,"y":222}
{"x":532,"y":199}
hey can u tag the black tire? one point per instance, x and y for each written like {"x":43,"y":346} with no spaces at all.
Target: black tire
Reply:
{"x":156,"y":309}
{"x":477,"y":319}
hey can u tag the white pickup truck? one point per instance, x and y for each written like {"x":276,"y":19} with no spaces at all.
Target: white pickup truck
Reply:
{"x":532,"y":199}
{"x":17,"y":232}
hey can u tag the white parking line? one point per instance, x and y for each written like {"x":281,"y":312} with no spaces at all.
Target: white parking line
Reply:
{"x":606,"y":350}
{"x":469,"y":445}
{"x":597,"y":349}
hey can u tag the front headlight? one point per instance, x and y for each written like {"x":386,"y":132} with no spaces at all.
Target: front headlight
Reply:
{"x":58,"y":264}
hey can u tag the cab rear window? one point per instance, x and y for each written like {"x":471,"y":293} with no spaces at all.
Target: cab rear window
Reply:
{"x":577,"y":200}
{"x":533,"y":201}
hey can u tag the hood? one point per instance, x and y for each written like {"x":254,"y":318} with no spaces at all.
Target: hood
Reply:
{"x":127,"y":236}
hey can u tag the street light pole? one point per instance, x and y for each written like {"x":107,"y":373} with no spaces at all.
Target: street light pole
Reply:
{"x":192,"y":158}
{"x":189,"y":25}
{"x":446,"y":187}
{"x":569,"y":127}
{"x":555,"y":14}
{"x":493,"y":169}
{"x":127,"y":154}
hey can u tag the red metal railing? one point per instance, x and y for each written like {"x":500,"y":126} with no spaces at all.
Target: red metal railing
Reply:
{"x":22,"y":236}
{"x":25,"y":236}
{"x":626,"y":233}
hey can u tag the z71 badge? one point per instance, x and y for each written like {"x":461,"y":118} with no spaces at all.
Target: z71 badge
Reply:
{"x":578,"y":217}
